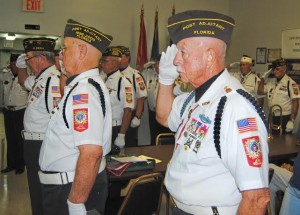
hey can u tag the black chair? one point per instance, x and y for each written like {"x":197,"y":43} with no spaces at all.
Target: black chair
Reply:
{"x":165,"y":139}
{"x":144,"y":196}
{"x":271,"y":173}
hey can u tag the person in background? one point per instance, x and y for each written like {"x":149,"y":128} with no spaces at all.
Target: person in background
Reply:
{"x":221,"y":147}
{"x":291,"y":200}
{"x":121,"y":94}
{"x":140,"y":94}
{"x":248,"y":78}
{"x":283,"y":92}
{"x":78,"y":138}
{"x":44,"y":96}
{"x":150,"y":75}
{"x":15,"y":100}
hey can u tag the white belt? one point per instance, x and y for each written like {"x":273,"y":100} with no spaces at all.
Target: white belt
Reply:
{"x":61,"y":178}
{"x":116,"y":122}
{"x":32,"y":136}
{"x":194,"y":209}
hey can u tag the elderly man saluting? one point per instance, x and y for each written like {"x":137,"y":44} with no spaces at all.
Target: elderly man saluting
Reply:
{"x":214,"y":168}
{"x":72,"y":157}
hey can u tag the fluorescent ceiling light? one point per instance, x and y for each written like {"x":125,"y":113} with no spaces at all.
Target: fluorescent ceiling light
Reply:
{"x":10,"y":36}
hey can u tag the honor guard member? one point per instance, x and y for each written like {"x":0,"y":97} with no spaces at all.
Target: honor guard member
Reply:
{"x":15,"y":100}
{"x":215,"y":168}
{"x":248,"y":78}
{"x":283,"y":96}
{"x":43,"y":98}
{"x":150,"y":75}
{"x":140,"y":94}
{"x":78,"y":137}
{"x":120,"y":93}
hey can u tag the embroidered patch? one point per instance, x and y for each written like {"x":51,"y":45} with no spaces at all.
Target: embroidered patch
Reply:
{"x":55,"y":89}
{"x":142,"y":85}
{"x":204,"y":119}
{"x":295,"y":89}
{"x":37,"y":92}
{"x":128,"y":97}
{"x":81,"y":121}
{"x":56,"y":101}
{"x":80,"y":99}
{"x":247,"y":124}
{"x":253,"y":151}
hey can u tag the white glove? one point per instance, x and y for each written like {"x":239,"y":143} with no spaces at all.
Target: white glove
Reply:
{"x":135,"y":122}
{"x":76,"y":209}
{"x":21,"y":63}
{"x":234,"y":64}
{"x":148,"y":64}
{"x":266,"y":74}
{"x":289,"y":126}
{"x":167,"y":70}
{"x":120,"y":140}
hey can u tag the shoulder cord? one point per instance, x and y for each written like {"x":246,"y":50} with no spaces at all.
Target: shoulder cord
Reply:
{"x":219,"y":112}
{"x":186,"y":102}
{"x":46,"y":93}
{"x":288,"y":88}
{"x":99,"y":89}
{"x":65,"y":103}
{"x":119,"y":88}
{"x":134,"y":84}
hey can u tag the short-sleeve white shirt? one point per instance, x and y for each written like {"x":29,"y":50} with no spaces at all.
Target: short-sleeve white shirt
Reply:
{"x":151,"y":79}
{"x":81,"y":109}
{"x":196,"y":167}
{"x":37,"y":116}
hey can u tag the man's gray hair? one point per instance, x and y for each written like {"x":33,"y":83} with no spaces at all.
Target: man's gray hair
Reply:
{"x":50,"y":56}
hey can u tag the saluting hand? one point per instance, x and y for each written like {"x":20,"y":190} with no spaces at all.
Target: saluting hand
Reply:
{"x":167,"y":70}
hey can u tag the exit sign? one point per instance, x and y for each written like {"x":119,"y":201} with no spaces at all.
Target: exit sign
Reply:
{"x":33,"y":5}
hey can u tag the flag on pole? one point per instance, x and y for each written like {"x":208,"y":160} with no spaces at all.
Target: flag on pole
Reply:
{"x":142,"y":49}
{"x":155,"y":43}
{"x":173,"y":13}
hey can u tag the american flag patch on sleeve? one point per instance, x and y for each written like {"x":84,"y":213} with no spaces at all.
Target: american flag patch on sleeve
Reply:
{"x":55,"y":89}
{"x":247,"y":124}
{"x":80,"y":99}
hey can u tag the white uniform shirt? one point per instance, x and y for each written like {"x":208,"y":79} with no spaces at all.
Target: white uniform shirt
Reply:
{"x":249,"y":82}
{"x":151,"y":79}
{"x":139,"y":87}
{"x":196,"y":175}
{"x":125,"y":93}
{"x":14,"y":94}
{"x":36,"y":116}
{"x":87,"y":125}
{"x":281,"y":93}
{"x":29,"y":82}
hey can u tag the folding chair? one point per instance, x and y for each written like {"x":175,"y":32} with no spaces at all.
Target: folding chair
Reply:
{"x":165,"y":139}
{"x":144,"y":196}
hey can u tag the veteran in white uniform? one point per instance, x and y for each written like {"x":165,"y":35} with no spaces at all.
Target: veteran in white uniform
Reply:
{"x":78,"y":137}
{"x":140,"y":94}
{"x":220,"y":159}
{"x":43,"y":97}
{"x":248,"y":78}
{"x":120,"y":93}
{"x":15,"y":100}
{"x":282,"y":94}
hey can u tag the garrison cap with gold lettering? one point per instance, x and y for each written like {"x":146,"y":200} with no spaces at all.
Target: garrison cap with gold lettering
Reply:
{"x":112,"y":51}
{"x":200,"y":23}
{"x":39,"y":44}
{"x":278,"y":62}
{"x":125,"y":50}
{"x":87,"y":34}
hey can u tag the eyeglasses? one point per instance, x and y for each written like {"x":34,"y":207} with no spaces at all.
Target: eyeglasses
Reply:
{"x":29,"y":58}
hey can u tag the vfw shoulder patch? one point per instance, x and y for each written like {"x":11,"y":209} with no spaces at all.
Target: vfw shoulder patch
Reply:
{"x":128,"y":93}
{"x":140,"y":82}
{"x":81,"y":119}
{"x":295,"y":89}
{"x":253,"y":151}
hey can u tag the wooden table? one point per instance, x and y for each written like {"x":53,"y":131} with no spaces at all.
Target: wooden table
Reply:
{"x":280,"y":147}
{"x":283,"y":147}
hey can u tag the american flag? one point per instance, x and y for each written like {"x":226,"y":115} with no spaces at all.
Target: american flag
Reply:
{"x":248,"y":124}
{"x":80,"y":99}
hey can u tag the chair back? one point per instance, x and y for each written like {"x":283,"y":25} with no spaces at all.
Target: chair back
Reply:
{"x":165,"y":139}
{"x":144,"y":196}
